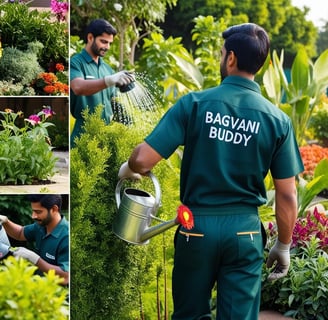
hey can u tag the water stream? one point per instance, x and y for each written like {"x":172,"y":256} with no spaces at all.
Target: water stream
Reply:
{"x":140,"y":106}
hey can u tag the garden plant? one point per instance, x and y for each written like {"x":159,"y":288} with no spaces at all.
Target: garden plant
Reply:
{"x":26,"y":155}
{"x":32,"y":42}
{"x":26,"y":296}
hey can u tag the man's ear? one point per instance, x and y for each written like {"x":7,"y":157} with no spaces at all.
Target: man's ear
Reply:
{"x":90,"y":37}
{"x":232,"y":59}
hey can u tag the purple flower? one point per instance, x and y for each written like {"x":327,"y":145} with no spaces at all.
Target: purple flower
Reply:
{"x":33,"y":119}
{"x":48,"y":112}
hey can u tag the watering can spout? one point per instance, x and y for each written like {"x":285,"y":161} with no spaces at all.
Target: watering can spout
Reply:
{"x":157,"y":229}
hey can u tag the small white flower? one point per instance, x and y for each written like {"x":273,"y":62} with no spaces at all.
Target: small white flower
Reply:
{"x":118,"y":7}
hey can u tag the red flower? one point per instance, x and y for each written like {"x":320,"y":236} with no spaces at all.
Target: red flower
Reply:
{"x":60,"y":67}
{"x":185,"y":217}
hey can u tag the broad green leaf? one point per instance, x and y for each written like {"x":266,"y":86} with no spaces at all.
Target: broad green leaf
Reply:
{"x":300,"y":73}
{"x":190,"y":72}
{"x":320,"y":70}
{"x":302,"y":105}
{"x":272,"y":84}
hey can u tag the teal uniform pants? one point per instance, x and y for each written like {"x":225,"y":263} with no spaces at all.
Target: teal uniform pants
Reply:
{"x":226,"y":249}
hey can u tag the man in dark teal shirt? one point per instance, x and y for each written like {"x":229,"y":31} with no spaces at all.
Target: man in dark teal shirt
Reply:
{"x":92,"y":81}
{"x":232,"y":138}
{"x":49,"y":233}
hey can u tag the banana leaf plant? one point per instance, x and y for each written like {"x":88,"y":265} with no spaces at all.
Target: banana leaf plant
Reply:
{"x":308,"y":190}
{"x":299,"y":97}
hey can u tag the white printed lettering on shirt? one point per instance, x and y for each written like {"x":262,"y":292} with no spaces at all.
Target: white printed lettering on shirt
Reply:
{"x":49,"y":256}
{"x":241,"y":130}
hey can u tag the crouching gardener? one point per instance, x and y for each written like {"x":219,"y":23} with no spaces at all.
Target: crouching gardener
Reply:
{"x":49,"y":233}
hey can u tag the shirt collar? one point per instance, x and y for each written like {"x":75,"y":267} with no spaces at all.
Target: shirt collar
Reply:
{"x":241,"y":81}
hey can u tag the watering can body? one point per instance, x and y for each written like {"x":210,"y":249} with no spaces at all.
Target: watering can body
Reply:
{"x":136,"y":210}
{"x":4,"y":244}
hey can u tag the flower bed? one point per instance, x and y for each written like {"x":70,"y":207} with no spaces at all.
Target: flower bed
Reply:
{"x":312,"y":155}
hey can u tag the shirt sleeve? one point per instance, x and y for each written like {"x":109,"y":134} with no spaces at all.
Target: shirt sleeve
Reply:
{"x":287,"y":160}
{"x":170,"y":131}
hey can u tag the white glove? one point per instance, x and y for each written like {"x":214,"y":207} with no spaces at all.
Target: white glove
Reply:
{"x":279,"y":253}
{"x":26,"y":254}
{"x":119,"y":79}
{"x":126,"y":172}
{"x":3,"y":219}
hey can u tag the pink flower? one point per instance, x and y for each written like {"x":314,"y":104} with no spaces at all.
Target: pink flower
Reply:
{"x":33,"y":119}
{"x":48,"y":112}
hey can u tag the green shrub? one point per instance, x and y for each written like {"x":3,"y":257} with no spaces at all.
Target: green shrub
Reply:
{"x":319,"y":124}
{"x":20,"y":66}
{"x":303,"y":293}
{"x":119,"y":277}
{"x":25,"y":296}
{"x":19,"y":25}
{"x":8,"y":88}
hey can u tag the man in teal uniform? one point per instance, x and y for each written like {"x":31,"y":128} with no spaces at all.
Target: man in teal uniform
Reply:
{"x":92,"y":81}
{"x":232,"y":138}
{"x":49,"y":233}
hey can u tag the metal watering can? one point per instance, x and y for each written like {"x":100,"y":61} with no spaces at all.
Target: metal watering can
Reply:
{"x":136,"y":209}
{"x":5,"y":248}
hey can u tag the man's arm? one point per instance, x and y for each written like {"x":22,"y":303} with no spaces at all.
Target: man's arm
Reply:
{"x":286,"y":208}
{"x":82,"y":87}
{"x":143,"y":158}
{"x":286,"y":215}
{"x":44,"y":266}
{"x":14,"y":230}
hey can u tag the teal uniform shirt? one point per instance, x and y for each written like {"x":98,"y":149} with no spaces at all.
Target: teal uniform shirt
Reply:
{"x":53,"y":247}
{"x":83,"y":66}
{"x":232,"y":137}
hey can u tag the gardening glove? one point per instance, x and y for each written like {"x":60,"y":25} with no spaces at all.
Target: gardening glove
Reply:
{"x":279,"y":253}
{"x":126,"y":173}
{"x":119,"y":79}
{"x":26,"y":254}
{"x":3,"y":219}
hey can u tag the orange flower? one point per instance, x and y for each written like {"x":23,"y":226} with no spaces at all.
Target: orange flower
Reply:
{"x":59,"y":67}
{"x":49,"y":89}
{"x":311,"y":156}
{"x":185,"y":217}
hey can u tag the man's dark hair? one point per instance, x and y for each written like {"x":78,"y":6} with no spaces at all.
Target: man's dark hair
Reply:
{"x":47,"y":200}
{"x":250,"y":43}
{"x":99,"y":26}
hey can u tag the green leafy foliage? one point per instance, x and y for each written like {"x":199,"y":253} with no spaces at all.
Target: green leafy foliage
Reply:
{"x":25,"y":296}
{"x":25,"y":155}
{"x":120,"y":277}
{"x":319,"y":125}
{"x":20,"y":25}
{"x":307,"y":190}
{"x":299,"y":97}
{"x":20,"y":66}
{"x":303,"y":293}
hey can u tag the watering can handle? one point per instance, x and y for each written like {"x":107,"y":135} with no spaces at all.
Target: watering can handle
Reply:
{"x":157,"y":187}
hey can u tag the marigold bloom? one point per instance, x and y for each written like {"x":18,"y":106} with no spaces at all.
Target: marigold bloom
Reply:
{"x":49,"y":89}
{"x":60,"y":67}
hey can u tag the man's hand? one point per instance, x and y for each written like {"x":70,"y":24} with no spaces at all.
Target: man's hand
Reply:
{"x":279,"y":253}
{"x":3,"y":219}
{"x":126,"y":173}
{"x":26,"y":254}
{"x":119,"y":79}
